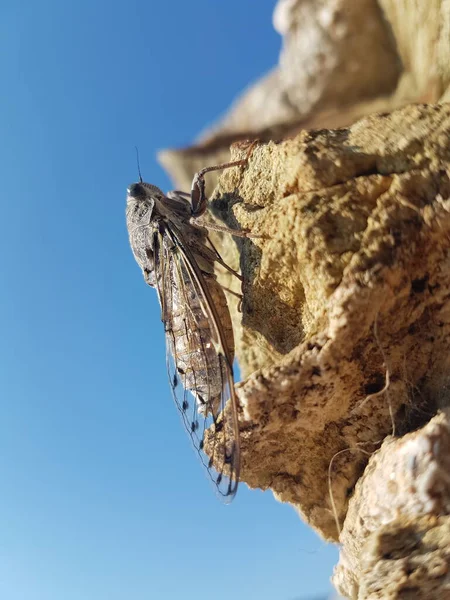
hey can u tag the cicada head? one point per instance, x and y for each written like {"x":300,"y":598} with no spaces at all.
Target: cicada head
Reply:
{"x":144,"y":195}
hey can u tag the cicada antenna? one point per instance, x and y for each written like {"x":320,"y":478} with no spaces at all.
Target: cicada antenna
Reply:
{"x":138,"y":165}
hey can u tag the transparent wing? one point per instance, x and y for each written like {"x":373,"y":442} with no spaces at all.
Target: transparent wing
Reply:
{"x":198,"y":360}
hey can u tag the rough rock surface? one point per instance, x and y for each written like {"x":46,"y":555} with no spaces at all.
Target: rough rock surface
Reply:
{"x":422,"y":34}
{"x":397,"y":531}
{"x":408,"y":560}
{"x":344,"y":330}
{"x":340,"y":60}
{"x":335,"y":52}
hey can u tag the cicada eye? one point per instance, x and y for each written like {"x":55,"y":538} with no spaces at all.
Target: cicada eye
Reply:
{"x":144,"y":191}
{"x":136,"y":190}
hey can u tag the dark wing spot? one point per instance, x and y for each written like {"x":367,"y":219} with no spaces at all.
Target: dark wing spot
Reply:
{"x":175,"y":380}
{"x":202,"y":443}
{"x":210,"y":464}
{"x":181,"y":371}
{"x":194,"y":426}
{"x":185,"y":405}
{"x":219,"y":478}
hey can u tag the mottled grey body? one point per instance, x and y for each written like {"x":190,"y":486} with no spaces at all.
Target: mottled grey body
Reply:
{"x":177,"y":258}
{"x":154,"y":219}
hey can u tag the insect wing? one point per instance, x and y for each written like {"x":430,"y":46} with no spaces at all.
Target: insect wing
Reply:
{"x":198,"y":361}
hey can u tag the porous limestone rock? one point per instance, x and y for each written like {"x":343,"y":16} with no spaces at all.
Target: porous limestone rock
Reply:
{"x":344,"y":334}
{"x":395,"y":540}
{"x":422,"y":34}
{"x":334,"y":53}
{"x":340,"y":60}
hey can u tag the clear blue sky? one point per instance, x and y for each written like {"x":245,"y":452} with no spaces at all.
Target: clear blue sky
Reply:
{"x":101,"y":496}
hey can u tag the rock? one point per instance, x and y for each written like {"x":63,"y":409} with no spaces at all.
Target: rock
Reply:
{"x":340,"y":60}
{"x":338,"y":63}
{"x":395,"y":537}
{"x":422,"y":35}
{"x":345,"y":331}
{"x":335,"y":53}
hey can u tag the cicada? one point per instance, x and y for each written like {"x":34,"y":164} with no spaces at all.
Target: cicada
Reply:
{"x":177,"y":258}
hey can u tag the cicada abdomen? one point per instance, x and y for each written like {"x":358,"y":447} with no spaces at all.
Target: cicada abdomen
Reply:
{"x":195,"y":350}
{"x":200,"y":348}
